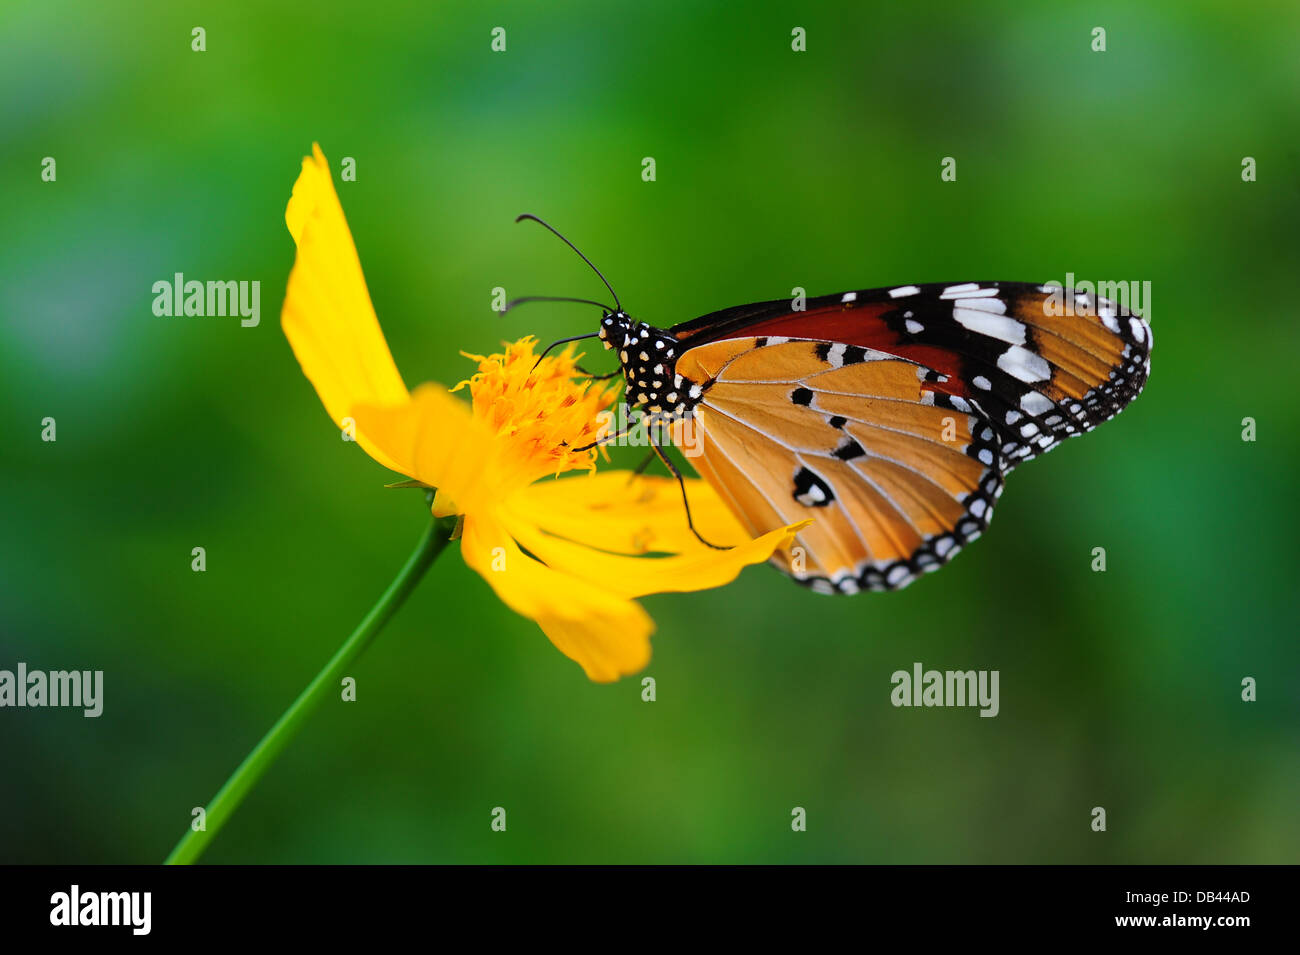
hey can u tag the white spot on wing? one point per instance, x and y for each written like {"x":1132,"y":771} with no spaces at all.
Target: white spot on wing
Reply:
{"x":903,"y":290}
{"x":969,"y":290}
{"x":1023,"y":364}
{"x":991,"y":304}
{"x":1035,"y":403}
{"x":982,"y":322}
{"x":897,"y":575}
{"x":811,"y":497}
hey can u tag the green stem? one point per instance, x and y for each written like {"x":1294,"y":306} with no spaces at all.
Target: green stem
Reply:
{"x":327,"y":681}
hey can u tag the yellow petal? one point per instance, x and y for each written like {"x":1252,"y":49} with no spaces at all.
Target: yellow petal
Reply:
{"x":434,"y":438}
{"x":698,"y":568}
{"x":618,"y":512}
{"x":327,"y":314}
{"x":606,"y":636}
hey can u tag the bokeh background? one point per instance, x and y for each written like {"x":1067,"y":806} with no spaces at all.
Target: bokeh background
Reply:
{"x":775,"y":169}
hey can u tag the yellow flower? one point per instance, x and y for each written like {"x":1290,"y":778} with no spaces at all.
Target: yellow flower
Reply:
{"x":566,"y":553}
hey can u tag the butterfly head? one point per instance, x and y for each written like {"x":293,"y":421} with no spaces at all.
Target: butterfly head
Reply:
{"x":615,"y":328}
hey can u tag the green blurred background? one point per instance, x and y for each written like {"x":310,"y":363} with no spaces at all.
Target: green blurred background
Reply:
{"x":775,"y":169}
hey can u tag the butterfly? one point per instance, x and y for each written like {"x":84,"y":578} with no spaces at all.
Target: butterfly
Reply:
{"x":891,"y":416}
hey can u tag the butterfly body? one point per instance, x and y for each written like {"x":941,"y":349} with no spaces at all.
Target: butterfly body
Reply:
{"x":648,"y":358}
{"x":890,"y":416}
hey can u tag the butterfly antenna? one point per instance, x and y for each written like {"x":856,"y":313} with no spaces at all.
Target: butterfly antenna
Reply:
{"x":562,"y":341}
{"x":552,"y":298}
{"x":529,"y":215}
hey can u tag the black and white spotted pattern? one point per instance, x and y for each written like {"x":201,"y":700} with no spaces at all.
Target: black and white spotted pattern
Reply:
{"x":1001,"y":366}
{"x":648,"y":357}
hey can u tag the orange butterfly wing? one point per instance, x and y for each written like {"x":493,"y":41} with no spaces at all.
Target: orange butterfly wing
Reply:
{"x":895,"y":484}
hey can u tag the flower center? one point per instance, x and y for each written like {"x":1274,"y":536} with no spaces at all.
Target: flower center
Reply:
{"x":540,"y":414}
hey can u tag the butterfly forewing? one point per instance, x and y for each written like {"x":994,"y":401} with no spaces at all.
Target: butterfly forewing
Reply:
{"x":1040,"y":376}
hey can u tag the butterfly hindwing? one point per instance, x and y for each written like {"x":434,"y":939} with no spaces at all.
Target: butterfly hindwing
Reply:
{"x":851,"y":437}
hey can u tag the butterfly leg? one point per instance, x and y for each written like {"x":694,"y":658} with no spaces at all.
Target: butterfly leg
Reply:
{"x":659,"y":452}
{"x":608,"y":439}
